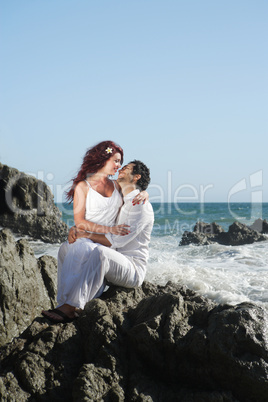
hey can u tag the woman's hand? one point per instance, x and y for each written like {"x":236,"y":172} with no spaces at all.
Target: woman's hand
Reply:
{"x":75,"y":233}
{"x":121,"y":230}
{"x":140,"y":198}
{"x":72,"y":235}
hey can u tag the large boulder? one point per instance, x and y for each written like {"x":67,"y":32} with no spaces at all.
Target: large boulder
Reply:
{"x":27,"y":285}
{"x":27,"y":207}
{"x":153,"y":343}
{"x":238,"y":234}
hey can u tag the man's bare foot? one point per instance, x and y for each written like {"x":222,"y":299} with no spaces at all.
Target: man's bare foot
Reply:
{"x":62,"y":314}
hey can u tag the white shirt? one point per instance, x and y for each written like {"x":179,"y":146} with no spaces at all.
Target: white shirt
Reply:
{"x":140,"y":218}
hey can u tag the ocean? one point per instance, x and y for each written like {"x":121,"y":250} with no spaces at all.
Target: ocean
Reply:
{"x":225,"y":274}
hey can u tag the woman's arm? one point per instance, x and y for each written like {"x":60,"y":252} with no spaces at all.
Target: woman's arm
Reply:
{"x":140,"y":198}
{"x":79,"y":208}
{"x":75,"y":234}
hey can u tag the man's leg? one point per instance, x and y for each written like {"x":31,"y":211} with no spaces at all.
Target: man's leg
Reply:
{"x":118,"y":269}
{"x":105,"y":265}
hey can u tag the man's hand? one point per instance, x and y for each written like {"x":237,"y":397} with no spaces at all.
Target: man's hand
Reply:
{"x":72,"y":236}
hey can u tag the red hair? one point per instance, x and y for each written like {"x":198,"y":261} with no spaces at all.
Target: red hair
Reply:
{"x":94,"y":159}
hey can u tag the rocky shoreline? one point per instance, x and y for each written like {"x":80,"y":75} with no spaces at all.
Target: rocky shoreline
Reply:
{"x":153,"y":343}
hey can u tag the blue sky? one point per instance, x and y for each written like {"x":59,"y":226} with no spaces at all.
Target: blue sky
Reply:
{"x":181,"y":85}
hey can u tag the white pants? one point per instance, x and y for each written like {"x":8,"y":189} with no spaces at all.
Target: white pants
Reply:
{"x":84,"y":268}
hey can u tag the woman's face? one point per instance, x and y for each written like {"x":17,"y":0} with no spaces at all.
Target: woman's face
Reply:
{"x":113,"y":164}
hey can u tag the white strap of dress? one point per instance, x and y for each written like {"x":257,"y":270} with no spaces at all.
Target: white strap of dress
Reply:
{"x":88,"y":183}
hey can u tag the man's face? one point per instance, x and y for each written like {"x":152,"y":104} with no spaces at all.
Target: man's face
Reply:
{"x":125,"y":174}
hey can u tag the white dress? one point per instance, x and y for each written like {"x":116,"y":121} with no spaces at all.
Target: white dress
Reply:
{"x":72,"y":258}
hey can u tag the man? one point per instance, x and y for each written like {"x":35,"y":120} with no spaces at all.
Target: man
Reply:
{"x":119,"y":260}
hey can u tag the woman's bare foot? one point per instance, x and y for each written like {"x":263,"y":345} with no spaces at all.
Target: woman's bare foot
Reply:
{"x":62,"y":314}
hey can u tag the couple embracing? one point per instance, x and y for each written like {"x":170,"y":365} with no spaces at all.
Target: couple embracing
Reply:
{"x":109,"y":242}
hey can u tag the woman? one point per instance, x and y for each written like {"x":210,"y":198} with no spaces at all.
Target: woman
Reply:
{"x":96,"y":198}
{"x":96,"y":202}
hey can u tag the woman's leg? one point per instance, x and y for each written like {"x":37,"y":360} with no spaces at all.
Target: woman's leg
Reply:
{"x":71,"y":276}
{"x":72,"y":263}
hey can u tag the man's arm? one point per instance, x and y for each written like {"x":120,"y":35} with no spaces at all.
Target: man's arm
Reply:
{"x":75,"y":234}
{"x":138,"y":218}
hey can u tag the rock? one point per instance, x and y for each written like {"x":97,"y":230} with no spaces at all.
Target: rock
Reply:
{"x":205,"y":234}
{"x":27,"y":207}
{"x":199,"y":239}
{"x":27,"y":285}
{"x":239,"y":234}
{"x":260,"y":225}
{"x":153,"y":343}
{"x":208,"y":228}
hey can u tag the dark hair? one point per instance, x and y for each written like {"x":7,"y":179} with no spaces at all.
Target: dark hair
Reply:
{"x":94,"y":159}
{"x":140,"y":168}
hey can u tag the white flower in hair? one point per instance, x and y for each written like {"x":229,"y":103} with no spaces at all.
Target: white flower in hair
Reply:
{"x":109,"y":150}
